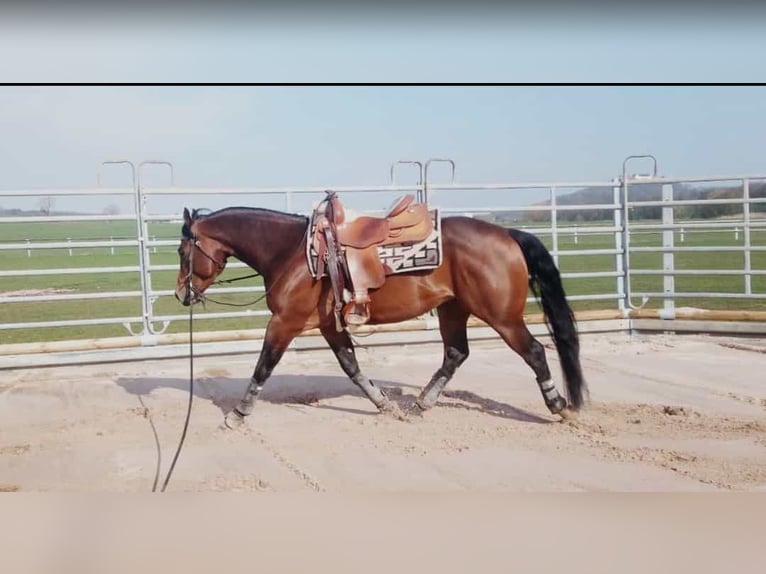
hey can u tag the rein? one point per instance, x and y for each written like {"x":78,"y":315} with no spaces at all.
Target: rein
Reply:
{"x":258,"y":300}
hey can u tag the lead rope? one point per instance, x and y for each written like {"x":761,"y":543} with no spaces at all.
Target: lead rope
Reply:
{"x":191,"y":376}
{"x":189,"y":287}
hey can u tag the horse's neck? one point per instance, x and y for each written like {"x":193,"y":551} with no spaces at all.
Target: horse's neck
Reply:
{"x":267,"y":243}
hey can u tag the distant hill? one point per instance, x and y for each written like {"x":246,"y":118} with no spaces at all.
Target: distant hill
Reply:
{"x":643,"y":192}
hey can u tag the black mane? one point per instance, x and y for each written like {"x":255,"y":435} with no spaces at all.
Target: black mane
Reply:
{"x":197,"y":213}
{"x":201,"y":213}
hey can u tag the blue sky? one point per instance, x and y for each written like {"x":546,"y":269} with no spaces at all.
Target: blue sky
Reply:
{"x":350,"y":135}
{"x":588,"y":42}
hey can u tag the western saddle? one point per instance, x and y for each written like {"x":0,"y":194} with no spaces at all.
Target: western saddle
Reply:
{"x":347,"y":249}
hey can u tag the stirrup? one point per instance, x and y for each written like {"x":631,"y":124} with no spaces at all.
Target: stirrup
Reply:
{"x":356,"y":313}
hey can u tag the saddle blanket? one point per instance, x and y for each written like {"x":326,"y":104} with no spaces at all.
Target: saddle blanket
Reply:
{"x":396,"y":257}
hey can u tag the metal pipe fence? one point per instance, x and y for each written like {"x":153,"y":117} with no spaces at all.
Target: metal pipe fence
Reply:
{"x":87,"y":270}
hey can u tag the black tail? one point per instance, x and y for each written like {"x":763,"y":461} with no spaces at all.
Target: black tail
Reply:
{"x":545,"y":282}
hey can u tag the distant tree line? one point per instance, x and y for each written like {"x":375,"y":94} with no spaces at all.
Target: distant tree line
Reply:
{"x":45,"y":207}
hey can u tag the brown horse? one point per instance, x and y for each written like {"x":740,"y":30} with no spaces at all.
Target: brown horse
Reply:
{"x":486,"y":272}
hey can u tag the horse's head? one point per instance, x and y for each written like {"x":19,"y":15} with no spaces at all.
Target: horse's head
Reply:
{"x":202,"y":260}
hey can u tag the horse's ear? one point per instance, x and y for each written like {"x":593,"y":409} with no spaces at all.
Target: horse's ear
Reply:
{"x":187,"y":216}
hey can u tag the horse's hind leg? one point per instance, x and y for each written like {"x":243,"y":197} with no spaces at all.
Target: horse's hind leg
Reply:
{"x":531,"y":350}
{"x":341,"y":345}
{"x":453,"y":319}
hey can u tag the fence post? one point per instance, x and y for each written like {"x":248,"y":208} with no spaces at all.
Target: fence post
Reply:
{"x":668,"y":263}
{"x":425,"y":174}
{"x":746,"y":235}
{"x":148,"y":299}
{"x":29,"y":251}
{"x":554,"y":227}
{"x":141,"y":237}
{"x":618,"y":244}
{"x":624,"y":181}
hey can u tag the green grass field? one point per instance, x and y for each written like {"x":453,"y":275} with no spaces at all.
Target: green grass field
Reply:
{"x":165,"y":280}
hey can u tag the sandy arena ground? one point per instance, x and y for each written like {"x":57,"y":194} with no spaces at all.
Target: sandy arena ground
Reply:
{"x":667,"y":413}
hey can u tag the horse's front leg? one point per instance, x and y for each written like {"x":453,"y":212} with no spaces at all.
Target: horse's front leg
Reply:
{"x":341,"y":345}
{"x":279,"y":334}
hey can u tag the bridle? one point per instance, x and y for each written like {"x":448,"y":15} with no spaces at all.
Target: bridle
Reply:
{"x":196,"y":294}
{"x":196,"y":243}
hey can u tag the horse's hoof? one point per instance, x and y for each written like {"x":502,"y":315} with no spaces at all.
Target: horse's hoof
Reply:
{"x":233,"y":420}
{"x":568,"y":415}
{"x":392,"y":409}
{"x":415,"y":410}
{"x":557,"y":405}
{"x":422,"y":405}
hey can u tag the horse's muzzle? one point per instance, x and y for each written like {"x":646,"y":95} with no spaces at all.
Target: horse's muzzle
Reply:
{"x":183,"y":295}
